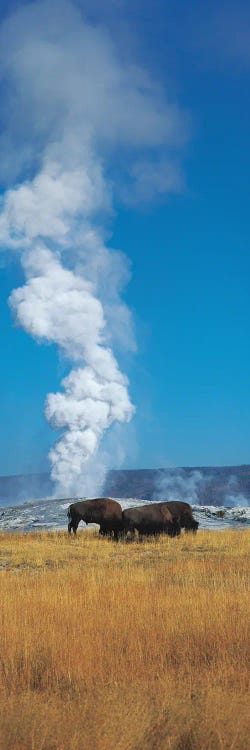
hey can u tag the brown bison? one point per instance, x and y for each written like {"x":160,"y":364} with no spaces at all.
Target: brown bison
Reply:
{"x":182,"y":513}
{"x":154,"y":518}
{"x":102,"y":510}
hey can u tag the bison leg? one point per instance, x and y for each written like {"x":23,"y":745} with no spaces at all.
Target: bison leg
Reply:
{"x":176,"y":530}
{"x":118,"y":534}
{"x":104,"y":531}
{"x":192,"y":529}
{"x":108,"y":532}
{"x":131,"y":533}
{"x":130,"y":528}
{"x":73,"y":522}
{"x":75,"y":525}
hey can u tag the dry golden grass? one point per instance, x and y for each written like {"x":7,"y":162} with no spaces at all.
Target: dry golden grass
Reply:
{"x":128,"y":646}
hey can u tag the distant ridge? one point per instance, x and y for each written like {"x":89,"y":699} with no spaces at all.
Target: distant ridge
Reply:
{"x":22,"y":487}
{"x":205,"y":485}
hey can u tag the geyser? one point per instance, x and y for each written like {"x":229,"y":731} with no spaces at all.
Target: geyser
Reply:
{"x":72,"y":108}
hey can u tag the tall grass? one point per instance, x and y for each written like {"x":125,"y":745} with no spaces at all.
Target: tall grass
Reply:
{"x":141,"y":645}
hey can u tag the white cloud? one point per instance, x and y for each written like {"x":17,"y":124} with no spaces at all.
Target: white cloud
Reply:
{"x":154,"y":179}
{"x":67,"y":87}
{"x":47,"y":206}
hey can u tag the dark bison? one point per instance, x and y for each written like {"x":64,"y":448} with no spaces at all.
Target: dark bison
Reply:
{"x":182,"y":513}
{"x":102,"y":510}
{"x":154,"y":518}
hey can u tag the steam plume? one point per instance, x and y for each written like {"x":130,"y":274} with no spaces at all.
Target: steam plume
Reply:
{"x":176,"y":484}
{"x":71,"y":108}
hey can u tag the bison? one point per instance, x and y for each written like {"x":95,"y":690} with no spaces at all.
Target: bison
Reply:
{"x":102,"y":510}
{"x":182,"y":513}
{"x":151,"y":519}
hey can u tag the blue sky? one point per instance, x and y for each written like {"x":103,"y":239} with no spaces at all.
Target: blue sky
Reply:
{"x":189,"y":249}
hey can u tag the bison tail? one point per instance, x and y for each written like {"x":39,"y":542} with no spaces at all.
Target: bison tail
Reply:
{"x":69,"y":513}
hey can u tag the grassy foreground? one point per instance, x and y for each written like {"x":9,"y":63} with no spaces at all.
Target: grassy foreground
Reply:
{"x":140,"y":646}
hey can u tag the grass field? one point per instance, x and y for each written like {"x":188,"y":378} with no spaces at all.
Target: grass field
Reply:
{"x":135,"y":645}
